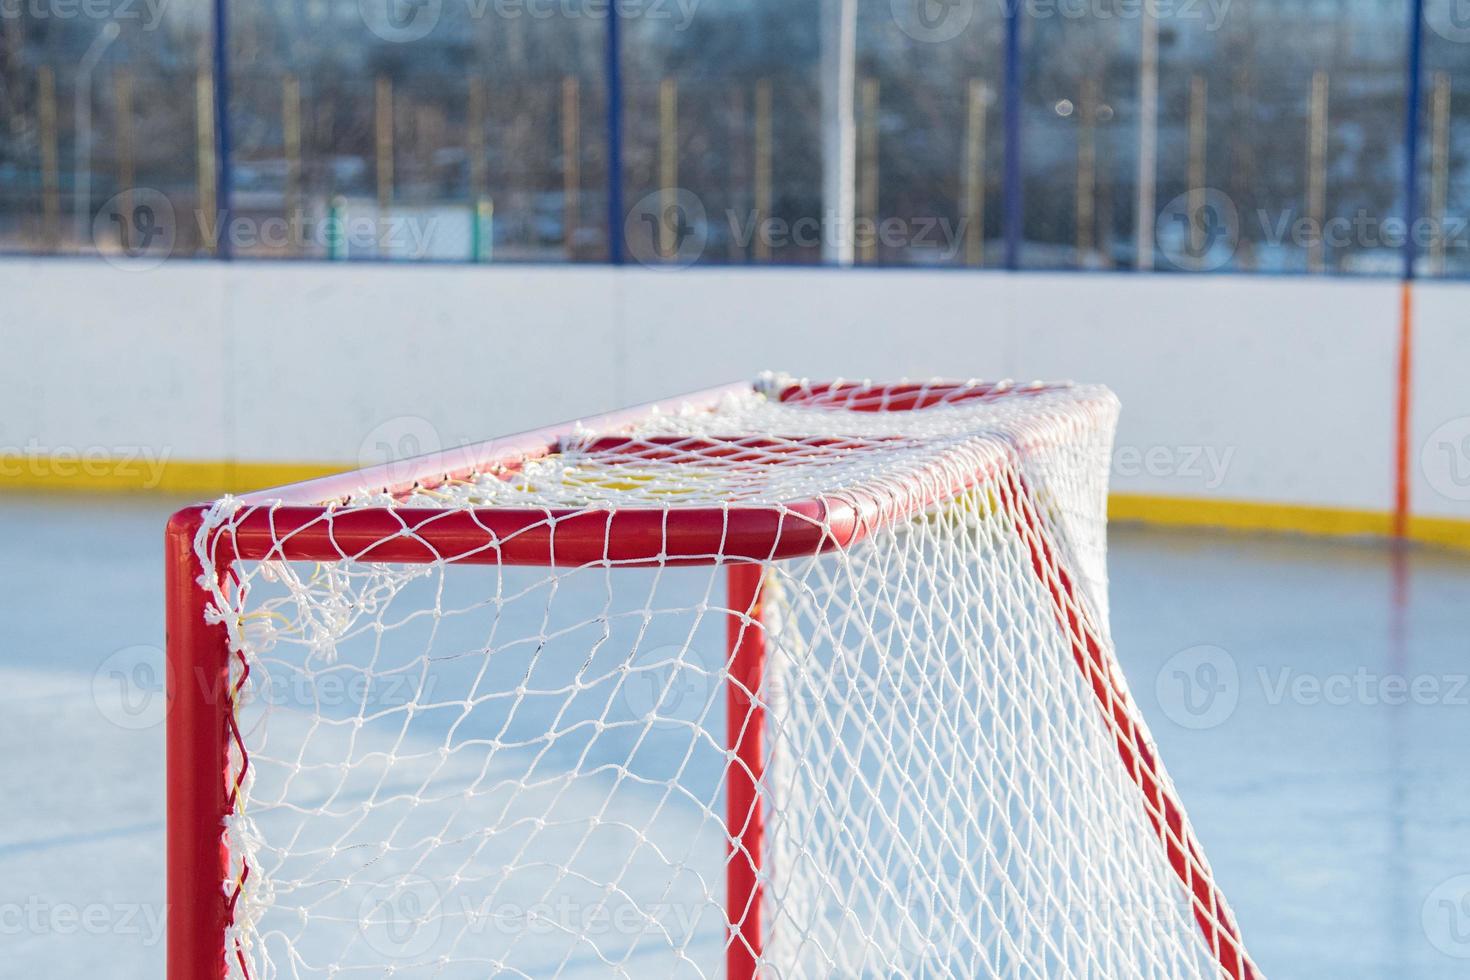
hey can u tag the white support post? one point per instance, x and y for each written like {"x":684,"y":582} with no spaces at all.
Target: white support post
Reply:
{"x":839,"y":129}
{"x":1148,"y":137}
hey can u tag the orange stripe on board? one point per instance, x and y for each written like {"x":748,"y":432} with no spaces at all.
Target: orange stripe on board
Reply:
{"x":1401,"y":420}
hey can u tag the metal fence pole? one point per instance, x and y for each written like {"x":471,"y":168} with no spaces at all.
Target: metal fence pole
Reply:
{"x":1011,"y":190}
{"x":1411,"y":134}
{"x":223,"y":176}
{"x":614,"y":71}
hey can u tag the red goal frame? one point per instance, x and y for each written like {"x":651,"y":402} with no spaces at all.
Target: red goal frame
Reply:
{"x":200,"y":725}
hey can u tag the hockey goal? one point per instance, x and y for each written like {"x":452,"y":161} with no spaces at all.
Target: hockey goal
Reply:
{"x":780,"y":679}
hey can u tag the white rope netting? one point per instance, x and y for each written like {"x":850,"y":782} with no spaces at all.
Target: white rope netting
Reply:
{"x":457,"y":770}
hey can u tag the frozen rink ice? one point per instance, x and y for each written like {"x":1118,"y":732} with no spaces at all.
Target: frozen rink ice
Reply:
{"x":1308,"y":698}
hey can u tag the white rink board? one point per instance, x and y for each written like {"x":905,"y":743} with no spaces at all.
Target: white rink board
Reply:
{"x":1271,"y":389}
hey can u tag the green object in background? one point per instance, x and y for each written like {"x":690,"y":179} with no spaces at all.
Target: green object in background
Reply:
{"x":482,"y":231}
{"x":336,"y":233}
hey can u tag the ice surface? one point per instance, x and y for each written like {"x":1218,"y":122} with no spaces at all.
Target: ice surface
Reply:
{"x":1333,"y":817}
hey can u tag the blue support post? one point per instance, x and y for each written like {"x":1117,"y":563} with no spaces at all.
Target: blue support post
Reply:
{"x":1011,"y":189}
{"x":224,"y":179}
{"x":614,"y":69}
{"x":1414,"y":91}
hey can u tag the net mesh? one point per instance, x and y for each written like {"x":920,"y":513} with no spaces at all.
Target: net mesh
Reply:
{"x":457,"y":770}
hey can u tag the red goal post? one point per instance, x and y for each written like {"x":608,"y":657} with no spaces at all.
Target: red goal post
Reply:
{"x":333,"y":520}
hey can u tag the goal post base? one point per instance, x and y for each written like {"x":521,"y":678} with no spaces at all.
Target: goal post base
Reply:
{"x":745,"y":725}
{"x":913,"y":754}
{"x":198,"y":725}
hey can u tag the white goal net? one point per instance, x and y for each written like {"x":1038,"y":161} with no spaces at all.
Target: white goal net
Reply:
{"x":814,"y":681}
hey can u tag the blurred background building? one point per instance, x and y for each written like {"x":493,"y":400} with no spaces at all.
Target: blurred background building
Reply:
{"x":485,"y":125}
